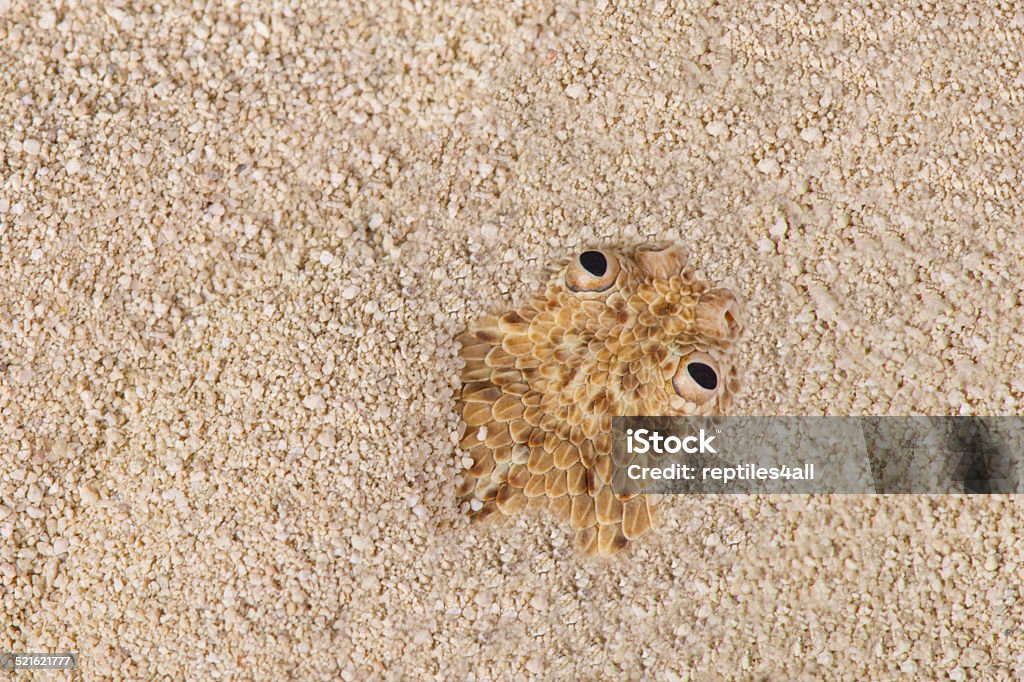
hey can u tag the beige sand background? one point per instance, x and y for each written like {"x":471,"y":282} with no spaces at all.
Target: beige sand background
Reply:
{"x":237,"y":238}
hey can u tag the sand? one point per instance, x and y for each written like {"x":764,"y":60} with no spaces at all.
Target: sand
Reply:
{"x":237,"y":239}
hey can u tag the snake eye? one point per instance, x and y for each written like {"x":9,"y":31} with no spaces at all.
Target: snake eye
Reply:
{"x":696,"y":379}
{"x":592,"y":271}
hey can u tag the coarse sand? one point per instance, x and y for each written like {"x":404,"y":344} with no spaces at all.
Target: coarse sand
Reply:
{"x":236,"y":242}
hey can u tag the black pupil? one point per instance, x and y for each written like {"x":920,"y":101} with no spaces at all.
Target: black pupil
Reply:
{"x":703,"y":374}
{"x":594,"y":262}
